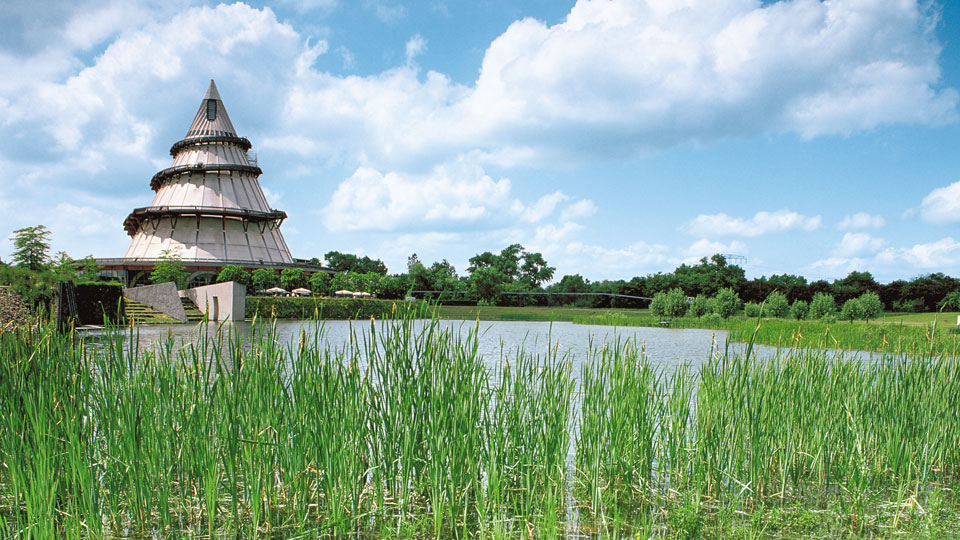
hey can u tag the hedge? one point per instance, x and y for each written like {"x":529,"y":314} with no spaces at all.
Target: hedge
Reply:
{"x":329,"y":308}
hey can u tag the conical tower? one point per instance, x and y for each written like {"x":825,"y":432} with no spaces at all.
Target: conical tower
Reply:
{"x":209,"y":204}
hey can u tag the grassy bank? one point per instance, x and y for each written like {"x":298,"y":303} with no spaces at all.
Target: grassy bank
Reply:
{"x":410,"y":433}
{"x":503,"y":313}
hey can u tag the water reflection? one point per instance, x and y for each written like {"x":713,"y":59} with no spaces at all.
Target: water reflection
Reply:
{"x":497,"y":340}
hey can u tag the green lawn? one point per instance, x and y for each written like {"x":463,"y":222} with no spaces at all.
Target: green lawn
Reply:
{"x":498,"y":313}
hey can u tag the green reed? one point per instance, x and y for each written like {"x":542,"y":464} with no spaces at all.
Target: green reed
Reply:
{"x":407,"y":430}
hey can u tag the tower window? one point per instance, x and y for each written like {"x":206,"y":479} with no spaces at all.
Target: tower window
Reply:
{"x":211,"y":109}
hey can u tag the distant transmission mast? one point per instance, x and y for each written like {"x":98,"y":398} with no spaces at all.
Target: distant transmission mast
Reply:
{"x":735,"y":260}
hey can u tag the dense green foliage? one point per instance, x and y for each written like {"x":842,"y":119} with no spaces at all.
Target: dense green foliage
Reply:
{"x":263,"y":278}
{"x":327,"y":308}
{"x":726,"y":303}
{"x":345,"y":262}
{"x":169,"y":268}
{"x":669,"y":304}
{"x":405,"y":431}
{"x":822,"y":305}
{"x":31,"y":247}
{"x":777,"y":305}
{"x":232,"y":272}
{"x":293,"y":278}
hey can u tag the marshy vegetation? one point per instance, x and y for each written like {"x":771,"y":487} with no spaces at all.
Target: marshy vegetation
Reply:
{"x":406,"y":431}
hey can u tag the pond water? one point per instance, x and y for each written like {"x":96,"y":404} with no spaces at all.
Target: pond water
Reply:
{"x":664,"y":347}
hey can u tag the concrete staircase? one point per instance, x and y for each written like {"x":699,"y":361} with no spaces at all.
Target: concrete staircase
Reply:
{"x":194,"y":315}
{"x":138,"y":313}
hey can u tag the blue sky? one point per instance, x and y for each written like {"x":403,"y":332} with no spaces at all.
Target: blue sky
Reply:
{"x":618,"y":138}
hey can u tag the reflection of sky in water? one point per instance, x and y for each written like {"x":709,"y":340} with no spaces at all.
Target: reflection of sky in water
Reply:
{"x":497,"y":339}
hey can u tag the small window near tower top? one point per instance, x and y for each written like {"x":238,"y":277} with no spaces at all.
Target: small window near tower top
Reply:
{"x":211,"y":109}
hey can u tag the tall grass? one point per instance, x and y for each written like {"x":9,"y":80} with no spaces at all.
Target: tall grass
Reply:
{"x":406,"y":430}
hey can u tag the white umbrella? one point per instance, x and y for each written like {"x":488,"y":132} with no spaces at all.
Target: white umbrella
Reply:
{"x":276,"y":290}
{"x":344,"y":292}
{"x":301,"y":291}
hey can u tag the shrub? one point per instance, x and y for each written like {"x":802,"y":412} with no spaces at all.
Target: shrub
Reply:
{"x":700,"y":306}
{"x":726,"y":303}
{"x":670,"y":304}
{"x":320,"y":284}
{"x":264,"y":279}
{"x":852,"y":310}
{"x":232,"y":272}
{"x":871,"y":305}
{"x":950,"y":302}
{"x":327,"y":308}
{"x":292,"y":278}
{"x":169,"y":268}
{"x":752,"y":309}
{"x":777,"y":305}
{"x":799,"y":309}
{"x":821,"y":306}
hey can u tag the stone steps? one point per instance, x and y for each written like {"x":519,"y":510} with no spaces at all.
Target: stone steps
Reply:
{"x":194,"y":315}
{"x":138,"y":313}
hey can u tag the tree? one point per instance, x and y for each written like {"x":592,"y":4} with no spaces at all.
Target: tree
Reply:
{"x":851,"y":310}
{"x":726,"y":303}
{"x":670,"y":304}
{"x":89,"y":269}
{"x":777,"y":305}
{"x":709,"y":276}
{"x":346,"y":262}
{"x":31,"y":247}
{"x":320,"y":283}
{"x":700,"y":306}
{"x":535,"y":271}
{"x":292,"y":278}
{"x":799,"y":309}
{"x":264,"y":278}
{"x":232,"y":272}
{"x":169,"y":268}
{"x":822,"y":305}
{"x":487,"y":282}
{"x":63,"y":267}
{"x":871,"y":305}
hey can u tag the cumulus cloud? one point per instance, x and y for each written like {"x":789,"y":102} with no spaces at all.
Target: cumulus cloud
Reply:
{"x":858,"y":244}
{"x":942,"y":205}
{"x":455,"y":194}
{"x":716,"y":225}
{"x":924,"y":257}
{"x":861,"y":220}
{"x":622,"y":77}
{"x":705,"y":248}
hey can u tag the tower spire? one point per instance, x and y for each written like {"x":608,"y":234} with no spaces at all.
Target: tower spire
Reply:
{"x":211,"y":118}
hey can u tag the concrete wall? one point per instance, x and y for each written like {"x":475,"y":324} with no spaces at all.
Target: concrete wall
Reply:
{"x":221,"y":302}
{"x":162,"y":297}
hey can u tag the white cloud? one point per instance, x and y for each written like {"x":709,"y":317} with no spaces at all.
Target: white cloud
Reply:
{"x":415,"y":46}
{"x":861,"y":220}
{"x":705,"y":248}
{"x":942,"y":205}
{"x":716,"y":225}
{"x":940,"y":255}
{"x":455,"y":194}
{"x":858,"y":244}
{"x":580,"y":209}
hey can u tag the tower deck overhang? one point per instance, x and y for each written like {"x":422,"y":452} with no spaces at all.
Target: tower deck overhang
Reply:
{"x":153,"y":214}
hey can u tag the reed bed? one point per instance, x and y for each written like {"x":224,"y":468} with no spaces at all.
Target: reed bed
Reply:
{"x":406,"y":431}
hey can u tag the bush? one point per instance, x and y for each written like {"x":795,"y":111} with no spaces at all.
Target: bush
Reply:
{"x":799,"y":310}
{"x":328,"y":308}
{"x":830,"y":318}
{"x":726,"y":303}
{"x":670,"y":304}
{"x":821,"y":306}
{"x":264,"y":279}
{"x":700,"y":306}
{"x":752,"y":309}
{"x":292,"y":278}
{"x":169,"y":268}
{"x":871,"y":305}
{"x":777,"y":305}
{"x":950,"y":302}
{"x":320,"y":284}
{"x":852,"y":310}
{"x":232,"y":272}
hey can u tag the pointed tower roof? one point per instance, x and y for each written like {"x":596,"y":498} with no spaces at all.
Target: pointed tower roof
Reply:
{"x":211,"y":118}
